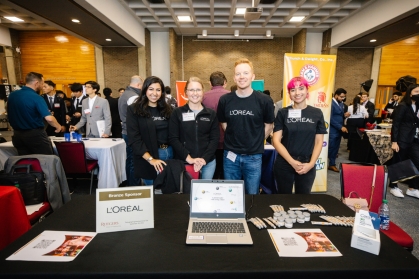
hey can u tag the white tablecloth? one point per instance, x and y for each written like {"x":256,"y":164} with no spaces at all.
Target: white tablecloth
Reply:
{"x":110,"y":154}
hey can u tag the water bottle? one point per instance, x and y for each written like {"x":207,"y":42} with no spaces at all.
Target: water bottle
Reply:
{"x":384,"y":212}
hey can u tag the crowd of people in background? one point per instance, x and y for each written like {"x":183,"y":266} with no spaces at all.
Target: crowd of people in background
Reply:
{"x":220,"y":132}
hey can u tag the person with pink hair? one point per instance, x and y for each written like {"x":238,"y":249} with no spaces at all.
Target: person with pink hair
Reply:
{"x":298,"y":137}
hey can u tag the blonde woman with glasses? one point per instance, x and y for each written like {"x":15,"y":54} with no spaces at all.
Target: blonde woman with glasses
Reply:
{"x":194,"y":132}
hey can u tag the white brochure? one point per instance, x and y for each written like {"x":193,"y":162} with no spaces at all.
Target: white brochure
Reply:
{"x":53,"y":246}
{"x":303,"y":243}
{"x":123,"y":209}
{"x":101,"y":127}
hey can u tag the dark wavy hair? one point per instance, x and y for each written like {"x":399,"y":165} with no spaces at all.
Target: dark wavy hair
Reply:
{"x":407,"y":99}
{"x":141,"y":104}
{"x":356,"y":104}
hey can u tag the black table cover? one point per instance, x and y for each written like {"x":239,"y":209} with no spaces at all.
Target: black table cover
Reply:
{"x":161,"y":252}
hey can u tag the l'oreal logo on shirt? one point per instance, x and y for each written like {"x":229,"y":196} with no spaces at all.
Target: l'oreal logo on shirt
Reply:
{"x":241,"y":112}
{"x":159,"y":118}
{"x":301,"y":119}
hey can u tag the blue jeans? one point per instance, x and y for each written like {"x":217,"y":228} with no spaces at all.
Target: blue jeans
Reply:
{"x":207,"y":171}
{"x":248,"y":167}
{"x":129,"y":165}
{"x":164,"y":154}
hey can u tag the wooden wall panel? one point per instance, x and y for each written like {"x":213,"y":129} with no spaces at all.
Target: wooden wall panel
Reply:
{"x":60,"y":57}
{"x":399,"y":59}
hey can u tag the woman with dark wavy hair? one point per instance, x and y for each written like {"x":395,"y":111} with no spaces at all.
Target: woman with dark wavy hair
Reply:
{"x":148,"y":130}
{"x":405,"y":137}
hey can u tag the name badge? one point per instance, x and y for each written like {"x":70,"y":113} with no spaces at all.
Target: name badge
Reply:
{"x":231,"y":156}
{"x":80,"y":106}
{"x":56,"y":105}
{"x":294,"y":113}
{"x":188,"y":116}
{"x":87,"y":111}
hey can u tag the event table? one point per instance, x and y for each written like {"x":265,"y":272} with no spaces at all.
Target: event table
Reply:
{"x":110,"y":154}
{"x":161,"y":252}
{"x":373,"y":147}
{"x":13,"y":217}
{"x":380,"y":141}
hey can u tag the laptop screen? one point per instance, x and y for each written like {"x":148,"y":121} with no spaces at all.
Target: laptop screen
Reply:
{"x":217,"y":198}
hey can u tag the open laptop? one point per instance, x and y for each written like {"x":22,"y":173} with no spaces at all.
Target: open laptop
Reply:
{"x":213,"y":202}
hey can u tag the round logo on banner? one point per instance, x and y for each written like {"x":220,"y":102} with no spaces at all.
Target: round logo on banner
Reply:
{"x":311,"y":73}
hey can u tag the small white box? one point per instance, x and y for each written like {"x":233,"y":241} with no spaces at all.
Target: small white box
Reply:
{"x":366,"y":232}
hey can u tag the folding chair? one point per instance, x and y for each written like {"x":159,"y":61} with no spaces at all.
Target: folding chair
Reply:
{"x":73,"y":158}
{"x":45,"y":210}
{"x":358,"y":177}
{"x":194,"y":174}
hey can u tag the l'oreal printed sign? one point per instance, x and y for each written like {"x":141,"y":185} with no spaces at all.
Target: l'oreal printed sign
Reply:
{"x":128,"y":208}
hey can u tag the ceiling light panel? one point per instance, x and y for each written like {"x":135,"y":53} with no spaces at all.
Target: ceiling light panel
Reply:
{"x":184,"y":18}
{"x":240,"y":11}
{"x":296,"y":19}
{"x":14,"y":19}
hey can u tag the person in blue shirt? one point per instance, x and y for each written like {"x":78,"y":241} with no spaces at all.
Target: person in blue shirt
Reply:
{"x":27,"y":111}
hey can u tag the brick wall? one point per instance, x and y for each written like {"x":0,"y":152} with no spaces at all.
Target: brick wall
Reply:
{"x":120,"y":64}
{"x":201,"y":58}
{"x":353,"y":67}
{"x":299,"y":42}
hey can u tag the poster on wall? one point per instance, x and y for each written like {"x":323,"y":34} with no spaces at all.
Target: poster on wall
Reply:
{"x":180,"y":93}
{"x":258,"y":85}
{"x":319,"y":71}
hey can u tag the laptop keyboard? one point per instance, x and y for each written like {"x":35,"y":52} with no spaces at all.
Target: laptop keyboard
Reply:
{"x":217,"y":227}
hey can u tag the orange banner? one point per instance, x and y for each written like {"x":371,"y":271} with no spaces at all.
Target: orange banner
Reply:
{"x":180,"y":93}
{"x":319,"y":71}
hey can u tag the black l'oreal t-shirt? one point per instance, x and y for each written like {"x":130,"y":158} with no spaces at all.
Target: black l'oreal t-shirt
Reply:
{"x":298,"y":134}
{"x":162,"y":125}
{"x":245,"y":118}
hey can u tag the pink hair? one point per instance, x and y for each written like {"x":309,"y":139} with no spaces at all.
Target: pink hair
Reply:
{"x":297,"y":81}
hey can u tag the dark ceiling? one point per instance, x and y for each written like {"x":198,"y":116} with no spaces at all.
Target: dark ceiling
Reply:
{"x":61,"y":12}
{"x":401,"y":29}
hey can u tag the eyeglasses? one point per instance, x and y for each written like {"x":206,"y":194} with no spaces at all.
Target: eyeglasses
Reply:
{"x":195,"y":90}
